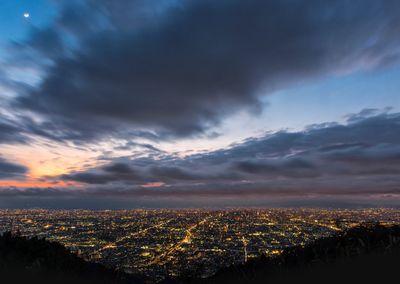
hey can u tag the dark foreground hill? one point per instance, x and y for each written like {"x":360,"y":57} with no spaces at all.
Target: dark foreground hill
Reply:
{"x":368,"y":254}
{"x":33,"y":260}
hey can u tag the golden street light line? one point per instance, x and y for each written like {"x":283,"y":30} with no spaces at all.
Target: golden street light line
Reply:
{"x":186,"y":239}
{"x":142,"y":231}
{"x":112,"y":244}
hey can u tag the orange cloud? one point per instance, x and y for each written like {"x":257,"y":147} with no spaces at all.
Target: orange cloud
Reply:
{"x":153,"y":184}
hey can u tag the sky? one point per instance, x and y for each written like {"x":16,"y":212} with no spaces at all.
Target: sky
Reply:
{"x":189,"y":103}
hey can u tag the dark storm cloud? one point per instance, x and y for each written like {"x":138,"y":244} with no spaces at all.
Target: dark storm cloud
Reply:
{"x":132,"y":145}
{"x":10,"y":170}
{"x":118,"y":168}
{"x":176,"y":68}
{"x":19,"y":129}
{"x":296,"y":167}
{"x":12,"y":132}
{"x":327,"y":159}
{"x":47,"y":41}
{"x":114,"y":172}
{"x":173,"y":173}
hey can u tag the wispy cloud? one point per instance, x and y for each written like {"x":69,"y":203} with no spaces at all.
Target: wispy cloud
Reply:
{"x":10,"y":170}
{"x":360,"y":157}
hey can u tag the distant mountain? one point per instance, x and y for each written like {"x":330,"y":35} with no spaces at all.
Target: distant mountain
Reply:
{"x":367,"y":254}
{"x":33,"y":260}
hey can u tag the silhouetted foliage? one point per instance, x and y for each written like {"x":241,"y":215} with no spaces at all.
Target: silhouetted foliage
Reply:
{"x":39,"y":261}
{"x":365,"y":254}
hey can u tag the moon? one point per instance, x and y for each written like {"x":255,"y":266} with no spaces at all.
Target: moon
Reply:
{"x":26,"y":15}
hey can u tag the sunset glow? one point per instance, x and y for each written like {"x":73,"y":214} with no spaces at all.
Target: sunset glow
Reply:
{"x":297,"y":106}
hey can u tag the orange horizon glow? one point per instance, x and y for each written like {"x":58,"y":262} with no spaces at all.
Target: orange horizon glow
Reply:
{"x":33,"y":183}
{"x":45,"y":162}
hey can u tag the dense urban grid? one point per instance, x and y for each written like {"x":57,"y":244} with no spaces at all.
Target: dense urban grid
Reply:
{"x":157,"y":243}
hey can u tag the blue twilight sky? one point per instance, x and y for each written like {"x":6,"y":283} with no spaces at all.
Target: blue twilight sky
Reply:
{"x":181,"y":101}
{"x":14,"y":26}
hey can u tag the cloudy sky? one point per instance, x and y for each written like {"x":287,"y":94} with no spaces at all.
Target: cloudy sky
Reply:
{"x":182,"y":103}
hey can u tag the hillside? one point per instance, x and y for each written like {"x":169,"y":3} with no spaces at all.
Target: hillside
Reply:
{"x":368,"y":254}
{"x":33,"y":260}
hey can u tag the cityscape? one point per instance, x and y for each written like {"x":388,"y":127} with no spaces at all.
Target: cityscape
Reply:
{"x":199,"y":141}
{"x":197,"y":242}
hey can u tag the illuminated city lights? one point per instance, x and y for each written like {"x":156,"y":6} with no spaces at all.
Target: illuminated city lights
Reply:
{"x":157,"y":243}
